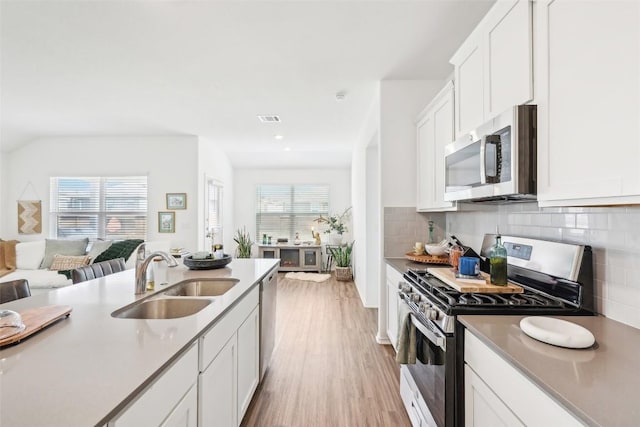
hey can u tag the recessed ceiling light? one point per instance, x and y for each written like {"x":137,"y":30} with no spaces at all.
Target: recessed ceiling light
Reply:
{"x":279,"y":137}
{"x":287,"y":148}
{"x":340,"y":96}
{"x":269,"y":118}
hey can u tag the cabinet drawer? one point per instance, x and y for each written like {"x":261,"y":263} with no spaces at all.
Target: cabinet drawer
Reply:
{"x":218,"y":335}
{"x":531,"y":404}
{"x":393,"y":276}
{"x":159,"y":399}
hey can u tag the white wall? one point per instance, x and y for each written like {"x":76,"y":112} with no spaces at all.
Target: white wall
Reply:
{"x":168,"y":162}
{"x":246,"y":180}
{"x":400,"y":103}
{"x":214,"y":163}
{"x":364,"y":191}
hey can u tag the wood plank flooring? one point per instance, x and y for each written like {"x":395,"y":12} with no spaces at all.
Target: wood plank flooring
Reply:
{"x":327,"y":368}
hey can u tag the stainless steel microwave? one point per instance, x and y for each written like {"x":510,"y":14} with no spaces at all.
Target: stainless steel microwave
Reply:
{"x":496,"y":161}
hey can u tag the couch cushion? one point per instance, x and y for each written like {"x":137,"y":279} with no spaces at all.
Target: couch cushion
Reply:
{"x":98,"y":247}
{"x":121,"y":249}
{"x":63,"y":247}
{"x":68,"y":262}
{"x":29,"y":255}
{"x":40,"y":279}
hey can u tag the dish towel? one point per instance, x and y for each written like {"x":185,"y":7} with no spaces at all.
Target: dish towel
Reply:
{"x":406,"y":335}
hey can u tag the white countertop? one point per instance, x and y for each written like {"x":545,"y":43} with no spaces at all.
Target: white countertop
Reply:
{"x":82,"y":370}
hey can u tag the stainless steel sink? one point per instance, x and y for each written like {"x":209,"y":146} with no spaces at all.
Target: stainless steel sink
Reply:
{"x":202,"y":287}
{"x":162,"y":308}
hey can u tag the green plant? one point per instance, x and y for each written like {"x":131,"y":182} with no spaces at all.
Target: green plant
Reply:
{"x":243,"y":239}
{"x":342,"y":255}
{"x":336,"y":222}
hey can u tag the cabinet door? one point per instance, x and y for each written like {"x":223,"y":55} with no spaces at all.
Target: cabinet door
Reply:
{"x":425,"y":153}
{"x":186,"y":413}
{"x":482,"y":408}
{"x":588,"y":96}
{"x":248,"y":360}
{"x":392,"y":312}
{"x":217,"y":389}
{"x":508,"y":56}
{"x":310,"y":258}
{"x":469,"y":77}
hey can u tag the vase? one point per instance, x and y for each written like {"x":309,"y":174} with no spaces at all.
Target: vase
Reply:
{"x":335,"y":239}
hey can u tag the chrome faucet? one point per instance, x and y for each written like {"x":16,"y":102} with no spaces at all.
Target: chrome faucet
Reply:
{"x":142,"y":264}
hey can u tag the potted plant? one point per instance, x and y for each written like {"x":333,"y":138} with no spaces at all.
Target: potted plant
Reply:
{"x":342,"y":257}
{"x":243,"y":239}
{"x":336,"y":225}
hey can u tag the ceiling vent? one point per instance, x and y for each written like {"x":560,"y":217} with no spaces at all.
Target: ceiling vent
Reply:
{"x":269,"y":119}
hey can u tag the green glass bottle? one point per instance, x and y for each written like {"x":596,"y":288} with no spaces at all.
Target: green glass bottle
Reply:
{"x":498,"y":263}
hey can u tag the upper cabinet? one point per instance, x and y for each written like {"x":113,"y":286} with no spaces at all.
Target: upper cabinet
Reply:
{"x":493,"y":68}
{"x":588,"y":96}
{"x":434,"y":131}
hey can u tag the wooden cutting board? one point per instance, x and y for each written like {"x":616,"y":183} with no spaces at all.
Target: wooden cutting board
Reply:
{"x":36,"y":319}
{"x":447,"y":275}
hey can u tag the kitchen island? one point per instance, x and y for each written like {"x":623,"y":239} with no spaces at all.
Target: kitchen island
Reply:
{"x":90,"y":367}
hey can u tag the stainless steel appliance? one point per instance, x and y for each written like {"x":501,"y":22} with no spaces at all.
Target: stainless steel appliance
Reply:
{"x":496,"y":161}
{"x":268,"y":299}
{"x":557,"y":279}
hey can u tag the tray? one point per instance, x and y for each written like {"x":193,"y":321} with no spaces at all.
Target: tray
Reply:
{"x":448,"y":276}
{"x":428,"y":259}
{"x":557,"y":332}
{"x":36,"y":319}
{"x":207,"y":263}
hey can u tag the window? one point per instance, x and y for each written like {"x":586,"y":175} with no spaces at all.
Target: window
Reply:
{"x":283,"y":210}
{"x":99,"y":207}
{"x":214,"y":210}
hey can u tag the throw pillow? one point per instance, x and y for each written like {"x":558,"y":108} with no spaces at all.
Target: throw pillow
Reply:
{"x":68,"y":262}
{"x":121,"y":249}
{"x":63,"y":247}
{"x":29,"y":255}
{"x":98,"y":247}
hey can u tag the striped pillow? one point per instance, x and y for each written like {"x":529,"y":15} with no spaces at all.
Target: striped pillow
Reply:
{"x":68,"y":262}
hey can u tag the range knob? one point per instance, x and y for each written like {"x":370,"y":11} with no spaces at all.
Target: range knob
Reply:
{"x":404,"y":288}
{"x":431,"y":313}
{"x":415,"y":298}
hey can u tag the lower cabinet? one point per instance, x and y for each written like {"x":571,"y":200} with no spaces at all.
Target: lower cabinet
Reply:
{"x":497,"y":394}
{"x":230,"y":365}
{"x":171,"y":400}
{"x":393,"y":279}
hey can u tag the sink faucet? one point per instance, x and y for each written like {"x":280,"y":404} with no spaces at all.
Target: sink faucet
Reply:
{"x":142,"y":264}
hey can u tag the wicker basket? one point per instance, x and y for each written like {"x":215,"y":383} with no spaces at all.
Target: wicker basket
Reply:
{"x":343,"y":274}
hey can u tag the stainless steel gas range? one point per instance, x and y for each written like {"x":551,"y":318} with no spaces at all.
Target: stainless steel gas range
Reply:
{"x":557,"y":279}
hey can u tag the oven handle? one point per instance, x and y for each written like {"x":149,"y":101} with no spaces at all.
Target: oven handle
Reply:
{"x":432,"y":336}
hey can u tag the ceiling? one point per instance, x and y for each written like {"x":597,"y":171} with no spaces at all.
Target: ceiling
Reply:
{"x":208,"y":68}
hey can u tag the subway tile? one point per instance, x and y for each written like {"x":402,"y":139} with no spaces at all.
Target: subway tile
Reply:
{"x":565,"y":220}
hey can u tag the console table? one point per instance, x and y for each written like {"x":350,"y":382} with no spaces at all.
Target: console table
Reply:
{"x":300,"y":257}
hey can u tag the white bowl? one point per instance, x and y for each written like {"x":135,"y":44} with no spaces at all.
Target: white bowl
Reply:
{"x":435,"y":250}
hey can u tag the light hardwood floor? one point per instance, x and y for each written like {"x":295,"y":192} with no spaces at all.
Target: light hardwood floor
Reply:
{"x":327,"y":368}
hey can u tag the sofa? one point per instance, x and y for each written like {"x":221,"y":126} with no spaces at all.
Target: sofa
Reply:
{"x":47,"y":263}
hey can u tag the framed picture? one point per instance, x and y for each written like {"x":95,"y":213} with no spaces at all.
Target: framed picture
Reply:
{"x":166,"y":222}
{"x":176,"y":201}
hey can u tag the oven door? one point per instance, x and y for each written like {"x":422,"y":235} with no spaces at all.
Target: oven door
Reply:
{"x":433,"y":373}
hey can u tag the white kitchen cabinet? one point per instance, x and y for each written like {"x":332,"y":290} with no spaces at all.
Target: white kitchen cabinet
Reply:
{"x":229,"y":364}
{"x":482,"y":407}
{"x":167,"y":393}
{"x":217,"y":389}
{"x":186,"y":413}
{"x":496,"y":393}
{"x":248,"y":360}
{"x":588,"y":96}
{"x":393,"y":279}
{"x":434,"y":131}
{"x":493,"y":68}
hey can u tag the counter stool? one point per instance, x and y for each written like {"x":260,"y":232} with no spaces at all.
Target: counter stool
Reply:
{"x":13,"y":290}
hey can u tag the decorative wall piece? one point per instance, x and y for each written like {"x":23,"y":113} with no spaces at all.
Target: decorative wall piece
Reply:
{"x":29,"y":216}
{"x":176,"y":201}
{"x":166,"y":222}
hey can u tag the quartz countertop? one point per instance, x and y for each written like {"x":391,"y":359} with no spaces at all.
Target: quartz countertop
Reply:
{"x":84,"y":369}
{"x":402,"y":264}
{"x":599,"y":385}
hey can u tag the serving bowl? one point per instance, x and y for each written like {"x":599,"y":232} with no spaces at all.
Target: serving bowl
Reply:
{"x":435,"y":250}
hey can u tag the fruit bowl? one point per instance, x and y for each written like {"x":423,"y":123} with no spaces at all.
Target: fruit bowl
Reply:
{"x":436,"y":250}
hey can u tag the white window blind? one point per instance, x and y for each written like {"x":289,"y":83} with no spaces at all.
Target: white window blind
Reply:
{"x":111,"y":208}
{"x":283,"y":210}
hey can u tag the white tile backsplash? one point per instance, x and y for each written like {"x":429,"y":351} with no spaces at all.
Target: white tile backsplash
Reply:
{"x":612,"y":232}
{"x":403,"y":227}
